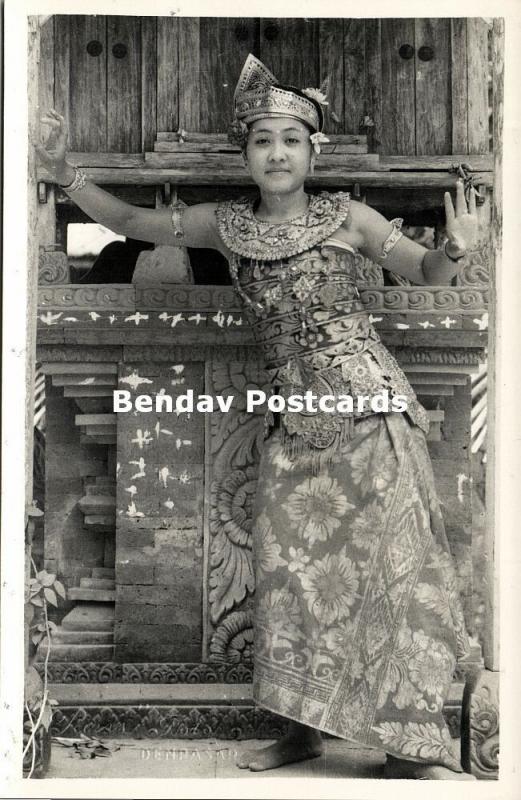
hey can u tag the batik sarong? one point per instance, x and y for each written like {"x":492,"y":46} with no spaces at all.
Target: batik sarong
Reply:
{"x":358,"y":621}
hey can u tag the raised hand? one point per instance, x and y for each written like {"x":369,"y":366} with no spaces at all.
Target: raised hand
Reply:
{"x":53,"y":153}
{"x":461,"y":224}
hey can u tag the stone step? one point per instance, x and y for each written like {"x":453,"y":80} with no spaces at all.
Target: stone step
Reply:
{"x":90,"y":617}
{"x":104,"y":572}
{"x":97,"y":583}
{"x":63,"y":636}
{"x":77,"y":652}
{"x":99,"y":595}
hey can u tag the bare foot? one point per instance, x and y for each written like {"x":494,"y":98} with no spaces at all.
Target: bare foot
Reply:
{"x":299,"y":744}
{"x":398,"y":768}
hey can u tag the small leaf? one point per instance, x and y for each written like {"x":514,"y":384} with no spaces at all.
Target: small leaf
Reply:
{"x":50,"y":596}
{"x":52,"y":626}
{"x":36,"y":587}
{"x":37,"y":601}
{"x":36,"y":638}
{"x":60,"y":589}
{"x":53,"y":701}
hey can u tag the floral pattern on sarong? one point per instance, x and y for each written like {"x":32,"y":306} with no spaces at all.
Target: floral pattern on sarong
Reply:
{"x":358,"y":625}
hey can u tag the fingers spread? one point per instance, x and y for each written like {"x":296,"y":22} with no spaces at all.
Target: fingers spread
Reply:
{"x":461,"y":203}
{"x":449,"y":208}
{"x":472,"y":201}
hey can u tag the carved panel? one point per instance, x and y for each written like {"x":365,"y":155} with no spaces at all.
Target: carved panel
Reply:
{"x":480,"y":729}
{"x":53,"y":266}
{"x":234,"y":441}
{"x":476,"y":267}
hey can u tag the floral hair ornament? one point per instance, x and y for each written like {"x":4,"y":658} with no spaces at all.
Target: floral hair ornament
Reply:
{"x":317,"y":139}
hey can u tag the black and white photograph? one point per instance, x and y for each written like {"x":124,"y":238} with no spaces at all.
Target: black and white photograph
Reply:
{"x":253,"y":315}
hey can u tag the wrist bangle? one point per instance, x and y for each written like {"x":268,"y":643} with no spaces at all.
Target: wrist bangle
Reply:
{"x":78,"y":182}
{"x":453,"y":258}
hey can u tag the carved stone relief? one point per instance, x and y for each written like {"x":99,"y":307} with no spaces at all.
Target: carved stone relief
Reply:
{"x":235,"y":439}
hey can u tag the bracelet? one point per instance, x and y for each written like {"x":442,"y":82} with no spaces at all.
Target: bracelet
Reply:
{"x":78,"y":183}
{"x":393,"y":238}
{"x":178,"y":209}
{"x":452,"y":258}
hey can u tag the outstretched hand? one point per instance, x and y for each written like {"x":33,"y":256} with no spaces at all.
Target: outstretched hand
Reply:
{"x":53,"y":153}
{"x":461,"y":224}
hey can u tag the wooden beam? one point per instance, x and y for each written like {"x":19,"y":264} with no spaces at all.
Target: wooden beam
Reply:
{"x":212,"y":175}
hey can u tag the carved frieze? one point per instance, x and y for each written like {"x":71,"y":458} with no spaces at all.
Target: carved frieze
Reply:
{"x":215,"y":298}
{"x":172,"y":722}
{"x":112,"y":672}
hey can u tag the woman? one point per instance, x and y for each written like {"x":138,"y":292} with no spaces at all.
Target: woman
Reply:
{"x":358,"y":624}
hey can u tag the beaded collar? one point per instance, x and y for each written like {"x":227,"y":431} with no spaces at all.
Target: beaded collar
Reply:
{"x":246,"y":236}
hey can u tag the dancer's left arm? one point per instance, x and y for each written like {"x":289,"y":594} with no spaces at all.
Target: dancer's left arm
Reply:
{"x":410,"y":259}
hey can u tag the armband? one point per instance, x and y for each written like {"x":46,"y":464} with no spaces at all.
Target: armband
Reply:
{"x":178,"y":208}
{"x":392,"y":239}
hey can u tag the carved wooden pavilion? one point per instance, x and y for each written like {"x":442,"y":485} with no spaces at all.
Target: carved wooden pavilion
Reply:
{"x":147,"y":516}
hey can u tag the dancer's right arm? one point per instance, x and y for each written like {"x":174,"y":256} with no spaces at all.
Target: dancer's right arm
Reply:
{"x":149,"y":225}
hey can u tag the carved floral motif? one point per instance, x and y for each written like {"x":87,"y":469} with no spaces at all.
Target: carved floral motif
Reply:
{"x":480,"y":735}
{"x":112,"y":672}
{"x":233,"y":639}
{"x":231,"y":576}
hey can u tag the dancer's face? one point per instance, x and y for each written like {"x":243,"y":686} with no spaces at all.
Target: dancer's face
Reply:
{"x":279,"y":154}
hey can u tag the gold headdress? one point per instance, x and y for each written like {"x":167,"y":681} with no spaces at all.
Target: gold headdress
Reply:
{"x":257,"y":96}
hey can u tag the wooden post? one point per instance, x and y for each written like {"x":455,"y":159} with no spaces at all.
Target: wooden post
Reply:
{"x":480,"y":712}
{"x":491,"y":643}
{"x":31,"y":280}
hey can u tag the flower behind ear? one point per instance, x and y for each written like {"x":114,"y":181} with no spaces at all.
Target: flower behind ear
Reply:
{"x":316,"y":140}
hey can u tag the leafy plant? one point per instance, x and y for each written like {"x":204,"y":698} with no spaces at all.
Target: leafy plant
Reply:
{"x":44,"y":589}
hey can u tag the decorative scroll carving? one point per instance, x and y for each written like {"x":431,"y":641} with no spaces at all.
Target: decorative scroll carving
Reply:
{"x":414,"y":299}
{"x":172,"y":722}
{"x":161,"y":673}
{"x":53,"y":266}
{"x":480,"y":729}
{"x":476,"y":269}
{"x":212,"y":298}
{"x":200,"y":298}
{"x":89,"y":297}
{"x":233,"y":639}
